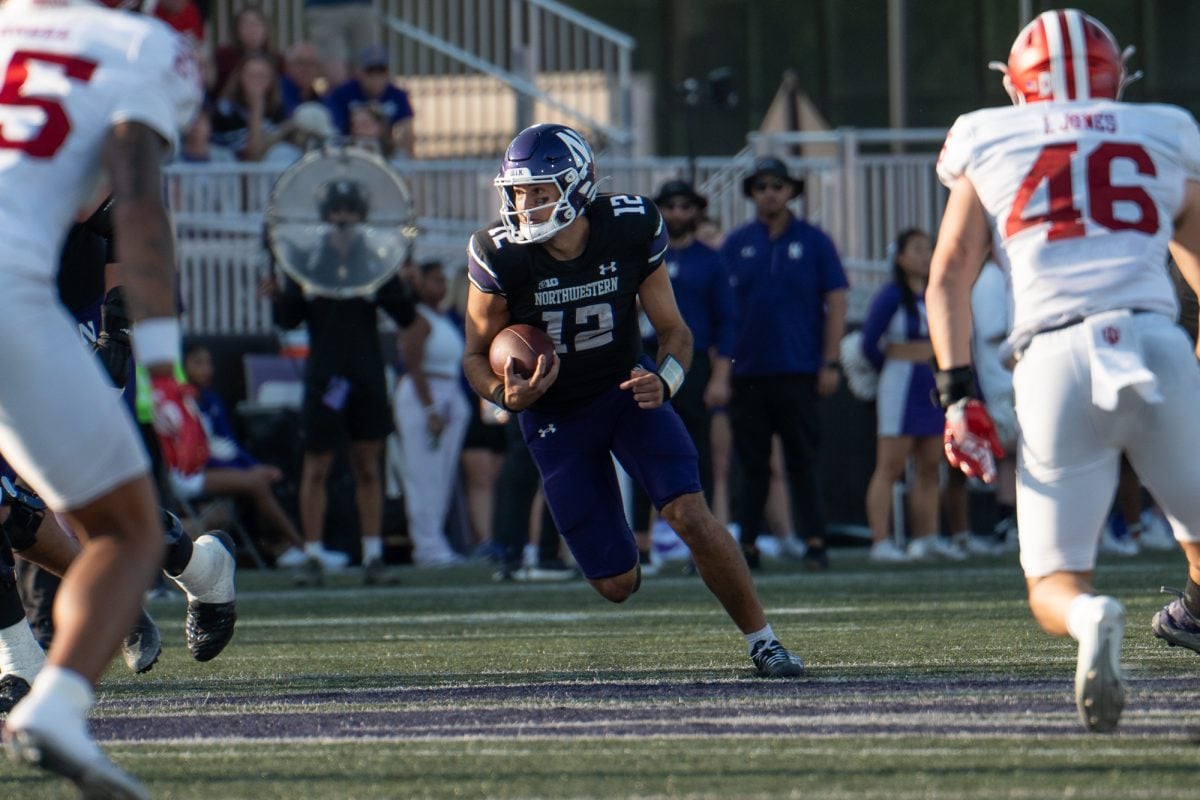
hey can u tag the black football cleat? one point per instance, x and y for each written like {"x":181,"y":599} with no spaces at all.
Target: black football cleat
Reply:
{"x":143,"y":645}
{"x":12,"y":689}
{"x":772,"y":660}
{"x":209,"y":626}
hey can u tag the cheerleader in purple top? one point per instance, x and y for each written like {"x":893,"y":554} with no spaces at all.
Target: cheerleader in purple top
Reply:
{"x":896,"y":340}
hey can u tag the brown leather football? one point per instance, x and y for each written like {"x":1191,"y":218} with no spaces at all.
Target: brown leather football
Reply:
{"x":524,"y":343}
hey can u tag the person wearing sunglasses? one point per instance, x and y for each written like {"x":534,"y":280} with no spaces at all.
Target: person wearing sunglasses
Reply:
{"x":790,"y":297}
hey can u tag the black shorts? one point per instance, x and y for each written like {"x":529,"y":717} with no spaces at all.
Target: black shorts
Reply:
{"x":364,"y":414}
{"x":481,"y":435}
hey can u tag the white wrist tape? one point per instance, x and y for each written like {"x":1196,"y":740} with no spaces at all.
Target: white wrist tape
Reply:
{"x":671,"y":372}
{"x":156,"y":341}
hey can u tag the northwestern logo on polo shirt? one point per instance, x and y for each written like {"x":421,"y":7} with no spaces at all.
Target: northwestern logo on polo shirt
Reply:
{"x":795,"y":250}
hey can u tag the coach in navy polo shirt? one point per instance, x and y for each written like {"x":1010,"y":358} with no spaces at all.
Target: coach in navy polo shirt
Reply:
{"x":790,"y":294}
{"x":372,"y":86}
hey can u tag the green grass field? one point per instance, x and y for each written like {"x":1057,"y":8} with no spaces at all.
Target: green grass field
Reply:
{"x":923,"y":682}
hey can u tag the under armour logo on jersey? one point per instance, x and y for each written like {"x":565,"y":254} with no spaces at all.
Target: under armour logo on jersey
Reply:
{"x":748,"y":251}
{"x":546,"y":431}
{"x":607,"y":268}
{"x":672,"y":269}
{"x":1111,"y":334}
{"x":795,"y":250}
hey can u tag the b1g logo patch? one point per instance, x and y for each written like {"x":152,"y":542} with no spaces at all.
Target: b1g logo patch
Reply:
{"x":1111,"y":334}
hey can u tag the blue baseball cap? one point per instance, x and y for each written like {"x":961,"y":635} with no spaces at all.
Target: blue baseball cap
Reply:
{"x":374,"y":56}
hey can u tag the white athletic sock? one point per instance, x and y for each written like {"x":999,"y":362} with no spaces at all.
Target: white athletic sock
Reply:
{"x":205,"y":578}
{"x":372,"y":549}
{"x":314,"y":548}
{"x":20,"y":654}
{"x":66,"y":685}
{"x":1080,"y":615}
{"x":764,"y":635}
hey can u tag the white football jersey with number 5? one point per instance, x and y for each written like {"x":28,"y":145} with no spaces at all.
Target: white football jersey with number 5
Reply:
{"x":1081,"y":198}
{"x":71,"y":70}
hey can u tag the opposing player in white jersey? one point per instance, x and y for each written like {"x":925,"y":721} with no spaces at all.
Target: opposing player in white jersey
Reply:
{"x":88,"y":94}
{"x":1080,"y":196}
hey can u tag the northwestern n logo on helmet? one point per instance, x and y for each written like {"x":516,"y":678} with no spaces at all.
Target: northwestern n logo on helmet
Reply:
{"x":581,"y":154}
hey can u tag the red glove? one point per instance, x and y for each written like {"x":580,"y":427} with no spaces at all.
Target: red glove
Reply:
{"x":181,"y":436}
{"x":971,"y":441}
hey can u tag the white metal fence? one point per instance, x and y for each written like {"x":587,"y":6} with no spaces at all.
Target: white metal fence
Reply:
{"x":861,"y":198}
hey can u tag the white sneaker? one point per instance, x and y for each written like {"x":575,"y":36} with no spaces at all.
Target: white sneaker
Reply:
{"x":45,"y":730}
{"x":887,"y":551}
{"x":332,"y":560}
{"x":792,"y":548}
{"x":934,"y":548}
{"x":1099,"y":691}
{"x":1156,"y":532}
{"x":976,"y":545}
{"x":1118,"y":547}
{"x":291,"y":558}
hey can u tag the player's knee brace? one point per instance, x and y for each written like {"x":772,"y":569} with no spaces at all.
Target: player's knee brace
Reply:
{"x":25,"y":513}
{"x":179,"y":544}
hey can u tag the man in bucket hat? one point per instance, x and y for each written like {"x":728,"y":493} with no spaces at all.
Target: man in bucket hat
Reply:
{"x":790,"y":296}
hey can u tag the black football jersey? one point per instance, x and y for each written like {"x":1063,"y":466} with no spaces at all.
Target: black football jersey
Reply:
{"x":588,"y":304}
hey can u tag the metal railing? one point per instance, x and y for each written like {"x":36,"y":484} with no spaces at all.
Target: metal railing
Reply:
{"x":861,"y":198}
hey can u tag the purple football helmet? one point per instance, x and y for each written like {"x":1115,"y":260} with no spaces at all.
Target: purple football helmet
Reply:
{"x":553,"y":154}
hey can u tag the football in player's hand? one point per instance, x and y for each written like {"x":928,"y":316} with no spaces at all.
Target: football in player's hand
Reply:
{"x":524,"y":343}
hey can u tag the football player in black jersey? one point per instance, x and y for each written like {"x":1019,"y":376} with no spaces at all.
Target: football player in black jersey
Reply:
{"x":574,"y":264}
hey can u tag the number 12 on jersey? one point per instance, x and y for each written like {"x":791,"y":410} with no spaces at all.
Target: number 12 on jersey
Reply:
{"x":1053,"y":167}
{"x":588,"y":334}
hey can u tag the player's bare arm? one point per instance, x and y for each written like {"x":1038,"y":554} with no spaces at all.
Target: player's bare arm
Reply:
{"x":962,"y":245}
{"x":487,"y":315}
{"x":674,"y":340}
{"x":1185,"y":244}
{"x":132,"y":158}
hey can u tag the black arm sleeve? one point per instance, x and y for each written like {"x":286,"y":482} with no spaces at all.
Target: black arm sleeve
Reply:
{"x":394,"y":298}
{"x":290,"y":307}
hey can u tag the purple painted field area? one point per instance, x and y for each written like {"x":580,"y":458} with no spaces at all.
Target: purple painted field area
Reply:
{"x":743,"y":708}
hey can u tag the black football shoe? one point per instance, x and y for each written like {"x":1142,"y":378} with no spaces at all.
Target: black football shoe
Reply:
{"x":143,"y":645}
{"x":12,"y":689}
{"x":209,"y":625}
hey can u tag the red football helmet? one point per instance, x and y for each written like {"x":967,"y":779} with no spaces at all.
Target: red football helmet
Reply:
{"x":1065,"y":55}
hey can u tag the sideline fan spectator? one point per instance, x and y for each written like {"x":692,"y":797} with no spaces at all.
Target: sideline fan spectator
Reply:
{"x":372,"y":84}
{"x":249,"y":109}
{"x":231,"y":471}
{"x":895,"y":339}
{"x":251,"y":37}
